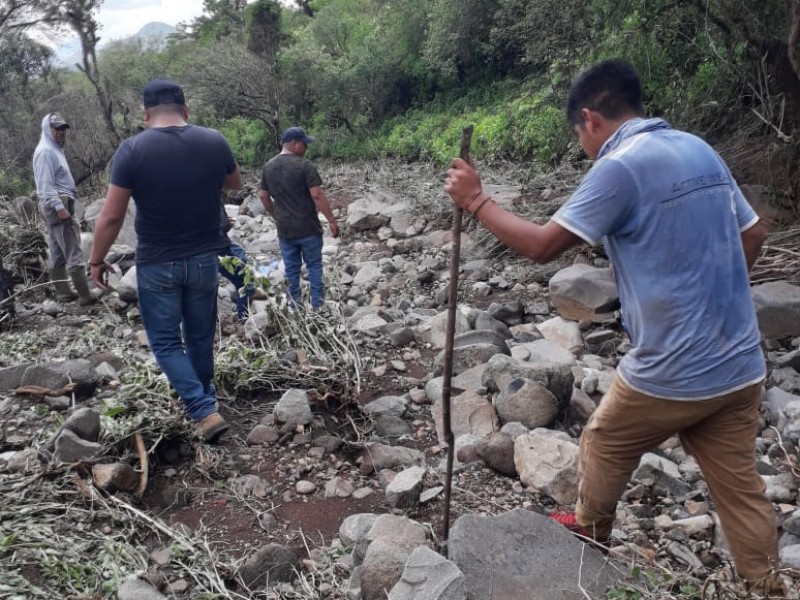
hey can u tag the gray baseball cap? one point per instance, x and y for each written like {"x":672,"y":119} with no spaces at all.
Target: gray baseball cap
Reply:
{"x":57,"y":121}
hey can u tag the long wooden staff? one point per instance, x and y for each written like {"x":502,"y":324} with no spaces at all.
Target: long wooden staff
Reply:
{"x":458,"y":213}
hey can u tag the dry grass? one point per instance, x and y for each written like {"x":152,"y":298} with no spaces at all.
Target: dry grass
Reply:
{"x":779,"y":259}
{"x":52,"y":518}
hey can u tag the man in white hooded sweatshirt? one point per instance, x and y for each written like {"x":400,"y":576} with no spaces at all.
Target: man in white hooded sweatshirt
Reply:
{"x":57,"y":195}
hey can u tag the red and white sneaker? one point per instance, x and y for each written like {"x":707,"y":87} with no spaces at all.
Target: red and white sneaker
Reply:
{"x":568,"y":520}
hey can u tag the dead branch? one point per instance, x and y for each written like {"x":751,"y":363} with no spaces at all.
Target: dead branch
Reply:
{"x":142,"y":451}
{"x":36,"y":390}
{"x":87,"y":492}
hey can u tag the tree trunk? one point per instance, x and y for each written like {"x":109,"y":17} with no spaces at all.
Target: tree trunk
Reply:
{"x":776,"y":54}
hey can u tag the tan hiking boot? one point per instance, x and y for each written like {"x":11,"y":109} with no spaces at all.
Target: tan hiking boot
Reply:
{"x":212,"y":428}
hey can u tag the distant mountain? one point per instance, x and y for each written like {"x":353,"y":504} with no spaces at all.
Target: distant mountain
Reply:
{"x":154,"y":33}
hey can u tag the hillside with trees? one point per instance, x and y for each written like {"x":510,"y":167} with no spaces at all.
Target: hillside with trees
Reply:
{"x":399,"y":78}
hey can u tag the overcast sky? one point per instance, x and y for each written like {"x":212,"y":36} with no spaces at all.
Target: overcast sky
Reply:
{"x":121,"y":18}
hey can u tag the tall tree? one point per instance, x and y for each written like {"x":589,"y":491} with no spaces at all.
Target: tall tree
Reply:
{"x":263,"y":28}
{"x":306,"y":8}
{"x":220,"y":19}
{"x":22,"y":14}
{"x":769,"y":30}
{"x":79,"y":15}
{"x":458,"y":39}
{"x":235,"y":82}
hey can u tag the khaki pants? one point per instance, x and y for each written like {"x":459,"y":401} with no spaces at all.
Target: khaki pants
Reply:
{"x":719,"y":432}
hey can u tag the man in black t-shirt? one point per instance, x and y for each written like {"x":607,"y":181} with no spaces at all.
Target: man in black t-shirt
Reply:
{"x":291,"y":191}
{"x":175,"y":172}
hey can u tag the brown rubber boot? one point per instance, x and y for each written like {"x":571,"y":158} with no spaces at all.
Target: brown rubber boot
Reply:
{"x":212,"y":428}
{"x":64,"y":291}
{"x":81,"y":283}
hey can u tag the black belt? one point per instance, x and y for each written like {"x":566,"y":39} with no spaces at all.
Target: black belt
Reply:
{"x":69,"y":203}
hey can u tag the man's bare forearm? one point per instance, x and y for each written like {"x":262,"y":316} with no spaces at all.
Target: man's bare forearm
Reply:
{"x":752,"y":241}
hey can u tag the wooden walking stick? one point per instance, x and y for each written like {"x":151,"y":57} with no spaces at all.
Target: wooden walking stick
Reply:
{"x":458,"y":213}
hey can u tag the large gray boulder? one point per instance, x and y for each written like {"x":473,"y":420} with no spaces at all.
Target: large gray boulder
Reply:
{"x":356,"y":527}
{"x":565,"y":333}
{"x":528,"y":402}
{"x":429,"y":576}
{"x":395,"y":406}
{"x":776,"y":400}
{"x":128,"y":286}
{"x":554,"y":372}
{"x":471,"y":379}
{"x":404,"y":490}
{"x":548,"y":464}
{"x":69,"y":448}
{"x":392,"y":539}
{"x":381,"y":456}
{"x":469,"y":413}
{"x":582,"y":292}
{"x":522,"y":554}
{"x":373,"y":211}
{"x":368,"y":275}
{"x":11,"y":377}
{"x":435,"y":328}
{"x":472,"y":348}
{"x":56,"y":375}
{"x":777,"y":305}
{"x":127,"y":234}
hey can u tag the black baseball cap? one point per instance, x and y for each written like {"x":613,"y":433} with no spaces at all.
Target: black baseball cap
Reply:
{"x":296,"y":133}
{"x":162,"y":91}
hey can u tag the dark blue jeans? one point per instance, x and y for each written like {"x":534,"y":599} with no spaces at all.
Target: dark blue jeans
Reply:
{"x":295,"y":252}
{"x":237,"y":279}
{"x":178,"y":302}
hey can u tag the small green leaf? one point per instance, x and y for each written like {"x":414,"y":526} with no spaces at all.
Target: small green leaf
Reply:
{"x":114,"y":411}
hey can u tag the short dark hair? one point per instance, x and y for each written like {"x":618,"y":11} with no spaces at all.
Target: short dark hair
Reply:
{"x":611,"y":88}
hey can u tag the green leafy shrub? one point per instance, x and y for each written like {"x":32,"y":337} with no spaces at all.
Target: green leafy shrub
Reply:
{"x":512,"y":123}
{"x":12,"y":184}
{"x":248,"y":139}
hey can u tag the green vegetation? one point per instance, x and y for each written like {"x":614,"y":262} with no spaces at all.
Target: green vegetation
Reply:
{"x":515,"y":126}
{"x":400,"y":78}
{"x":247,"y":138}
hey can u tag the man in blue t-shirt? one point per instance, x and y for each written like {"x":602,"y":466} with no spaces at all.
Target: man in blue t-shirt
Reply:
{"x":681,"y":239}
{"x":175,"y":173}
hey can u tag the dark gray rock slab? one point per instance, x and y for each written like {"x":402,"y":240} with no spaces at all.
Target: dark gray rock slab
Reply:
{"x":522,"y":554}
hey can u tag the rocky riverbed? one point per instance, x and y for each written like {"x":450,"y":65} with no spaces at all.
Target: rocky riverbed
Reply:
{"x":330,"y":484}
